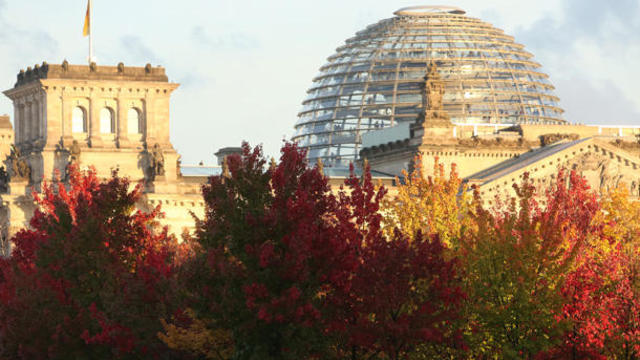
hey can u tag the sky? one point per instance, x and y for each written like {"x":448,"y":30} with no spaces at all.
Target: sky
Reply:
{"x":244,"y":65}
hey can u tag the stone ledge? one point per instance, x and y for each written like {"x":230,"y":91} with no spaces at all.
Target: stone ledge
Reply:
{"x":91,"y":72}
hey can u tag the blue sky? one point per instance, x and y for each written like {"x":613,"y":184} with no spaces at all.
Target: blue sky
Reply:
{"x":245,"y":65}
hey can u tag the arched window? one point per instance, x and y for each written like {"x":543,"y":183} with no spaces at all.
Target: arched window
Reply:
{"x":79,"y":120}
{"x":107,"y":125}
{"x":135,"y":121}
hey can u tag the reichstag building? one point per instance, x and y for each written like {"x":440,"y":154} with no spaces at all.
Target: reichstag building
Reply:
{"x":428,"y":83}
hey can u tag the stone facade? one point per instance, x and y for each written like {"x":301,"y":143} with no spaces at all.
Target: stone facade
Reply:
{"x":493,"y":157}
{"x":117,"y":117}
{"x":106,"y":117}
{"x":95,"y":107}
{"x":604,"y":166}
{"x":6,"y":136}
{"x":475,"y":154}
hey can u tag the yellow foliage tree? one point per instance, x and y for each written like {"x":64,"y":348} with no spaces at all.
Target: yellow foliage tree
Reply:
{"x":435,"y":204}
{"x":619,"y":218}
{"x":198,"y":339}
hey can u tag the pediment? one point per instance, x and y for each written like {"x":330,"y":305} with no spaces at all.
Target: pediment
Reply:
{"x":604,"y":167}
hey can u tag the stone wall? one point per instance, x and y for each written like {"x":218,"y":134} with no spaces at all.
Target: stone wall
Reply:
{"x":104,"y":117}
{"x":475,"y":147}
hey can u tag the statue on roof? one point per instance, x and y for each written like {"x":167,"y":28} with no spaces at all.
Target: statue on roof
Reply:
{"x":74,"y":158}
{"x":74,"y":152}
{"x":433,"y":88}
{"x":20,"y":168}
{"x":157,"y":161}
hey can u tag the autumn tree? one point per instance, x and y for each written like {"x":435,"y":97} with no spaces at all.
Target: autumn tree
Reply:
{"x":200,"y":338}
{"x":436,"y":204}
{"x":293,"y":270}
{"x":602,"y":293}
{"x":89,"y":279}
{"x":272,"y":240}
{"x":516,"y":263}
{"x":403,"y":301}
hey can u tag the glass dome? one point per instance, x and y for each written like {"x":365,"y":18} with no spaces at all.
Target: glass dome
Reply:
{"x":373,"y":81}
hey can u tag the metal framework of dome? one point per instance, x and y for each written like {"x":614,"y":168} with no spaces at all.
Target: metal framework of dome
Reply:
{"x":373,"y":81}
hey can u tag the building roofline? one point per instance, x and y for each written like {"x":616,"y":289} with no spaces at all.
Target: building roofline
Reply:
{"x":91,"y":72}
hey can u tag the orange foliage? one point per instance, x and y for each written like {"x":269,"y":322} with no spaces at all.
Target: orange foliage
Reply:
{"x":198,"y":338}
{"x":435,"y":204}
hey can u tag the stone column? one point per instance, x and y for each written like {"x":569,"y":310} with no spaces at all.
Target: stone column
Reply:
{"x":122,"y":121}
{"x":94,"y":123}
{"x":52,"y":119}
{"x":26,"y":122}
{"x":35,"y":120}
{"x":161,"y":125}
{"x":50,"y":132}
{"x":67,"y":113}
{"x":149,"y":116}
{"x":17,"y":120}
{"x":42,"y":122}
{"x":23,"y":121}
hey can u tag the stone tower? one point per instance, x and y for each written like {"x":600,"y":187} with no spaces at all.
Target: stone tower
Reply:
{"x":106,"y":116}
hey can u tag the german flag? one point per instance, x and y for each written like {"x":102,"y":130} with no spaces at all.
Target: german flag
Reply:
{"x":87,"y":20}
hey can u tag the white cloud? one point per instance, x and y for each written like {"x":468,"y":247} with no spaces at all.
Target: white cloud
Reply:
{"x":594,"y":44}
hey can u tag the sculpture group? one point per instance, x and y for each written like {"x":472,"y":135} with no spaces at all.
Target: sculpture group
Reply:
{"x":433,"y":90}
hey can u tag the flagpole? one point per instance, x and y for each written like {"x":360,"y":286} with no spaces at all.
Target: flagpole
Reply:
{"x":90,"y":32}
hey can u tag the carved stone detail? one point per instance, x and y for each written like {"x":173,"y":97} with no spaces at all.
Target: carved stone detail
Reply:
{"x":629,"y":146}
{"x":548,"y":139}
{"x":74,"y":157}
{"x":20,"y":168}
{"x":635,"y":188}
{"x":497,"y":142}
{"x":74,"y":152}
{"x":433,"y":113}
{"x":156,"y":161}
{"x":602,"y":172}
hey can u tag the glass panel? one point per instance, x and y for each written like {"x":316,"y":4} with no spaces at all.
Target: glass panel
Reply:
{"x":378,"y":75}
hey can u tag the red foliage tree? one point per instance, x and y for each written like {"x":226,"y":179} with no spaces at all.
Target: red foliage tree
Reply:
{"x":89,"y":279}
{"x":282,"y":260}
{"x":403,"y":299}
{"x":590,"y":306}
{"x":271,"y":240}
{"x":602,"y":293}
{"x":404,"y":294}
